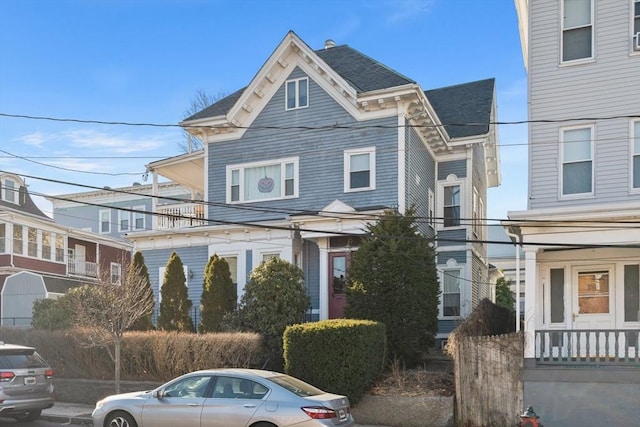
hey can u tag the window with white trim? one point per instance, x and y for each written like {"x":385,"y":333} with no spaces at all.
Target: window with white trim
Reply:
{"x":232,"y":260}
{"x":17,"y":239}
{"x":635,"y":36}
{"x":577,"y":160}
{"x":577,"y":30}
{"x":139,"y":218}
{"x":267,"y":256}
{"x":124,"y":217}
{"x":32,"y":241}
{"x":451,"y":292}
{"x":105,"y":221}
{"x":432,"y":208}
{"x":59,"y":248}
{"x":635,"y":154}
{"x":9,"y":191}
{"x":46,"y":245}
{"x":297,"y":93}
{"x":451,"y":205}
{"x":360,"y":169}
{"x":116,"y":273}
{"x":276,"y":179}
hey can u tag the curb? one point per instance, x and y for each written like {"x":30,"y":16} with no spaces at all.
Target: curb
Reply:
{"x":65,"y":419}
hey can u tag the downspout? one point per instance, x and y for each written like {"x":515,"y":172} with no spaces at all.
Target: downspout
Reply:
{"x":517,"y":239}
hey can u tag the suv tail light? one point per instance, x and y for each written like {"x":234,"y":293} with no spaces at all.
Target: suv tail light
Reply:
{"x":48,"y":374}
{"x":319,"y":412}
{"x":6,"y":376}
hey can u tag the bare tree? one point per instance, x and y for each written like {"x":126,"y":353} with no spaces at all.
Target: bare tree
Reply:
{"x":199,"y":102}
{"x":105,"y":310}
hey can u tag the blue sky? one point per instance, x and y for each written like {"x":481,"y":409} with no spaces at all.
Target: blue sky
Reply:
{"x":143,"y":61}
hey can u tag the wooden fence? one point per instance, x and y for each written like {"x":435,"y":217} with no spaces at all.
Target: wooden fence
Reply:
{"x":487,"y":375}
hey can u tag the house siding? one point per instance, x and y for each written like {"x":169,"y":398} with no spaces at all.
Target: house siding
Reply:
{"x":320,"y":152}
{"x":452,"y":167}
{"x":420,"y":179}
{"x":601,"y":88}
{"x":195,"y":258}
{"x":456,"y":237}
{"x":479,"y":183}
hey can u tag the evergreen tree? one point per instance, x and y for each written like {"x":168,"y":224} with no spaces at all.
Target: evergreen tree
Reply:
{"x":175,"y":303}
{"x":504,"y":296}
{"x":219,"y":295}
{"x":393,"y":280}
{"x":274,"y":298}
{"x":144,"y":323}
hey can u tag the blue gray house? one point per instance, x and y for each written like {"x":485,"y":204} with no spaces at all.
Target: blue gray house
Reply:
{"x":319,"y":143}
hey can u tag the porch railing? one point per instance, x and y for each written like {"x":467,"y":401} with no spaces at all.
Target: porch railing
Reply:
{"x":82,"y":268}
{"x":180,"y":216}
{"x":588,"y":347}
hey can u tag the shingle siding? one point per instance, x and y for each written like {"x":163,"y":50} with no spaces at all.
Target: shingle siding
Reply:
{"x":320,"y":152}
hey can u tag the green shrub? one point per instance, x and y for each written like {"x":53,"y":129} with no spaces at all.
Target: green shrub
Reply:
{"x":219,"y":295}
{"x":348,"y":355}
{"x":175,"y":304}
{"x":52,"y":314}
{"x":274,"y":298}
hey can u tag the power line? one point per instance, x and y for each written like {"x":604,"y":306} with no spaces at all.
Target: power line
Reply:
{"x":335,"y":126}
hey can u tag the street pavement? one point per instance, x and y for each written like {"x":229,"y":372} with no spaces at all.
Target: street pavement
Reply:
{"x":78,"y":413}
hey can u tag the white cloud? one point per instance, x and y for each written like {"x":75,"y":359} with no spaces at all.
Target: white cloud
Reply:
{"x":35,"y":139}
{"x":408,"y":9}
{"x":113,"y":143}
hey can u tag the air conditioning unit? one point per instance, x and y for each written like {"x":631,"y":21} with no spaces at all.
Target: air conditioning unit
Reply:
{"x":636,"y":45}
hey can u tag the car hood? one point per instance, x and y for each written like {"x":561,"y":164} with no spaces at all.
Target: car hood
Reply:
{"x":132,"y":395}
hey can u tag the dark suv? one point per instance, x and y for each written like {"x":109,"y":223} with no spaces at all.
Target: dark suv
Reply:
{"x":26,"y":382}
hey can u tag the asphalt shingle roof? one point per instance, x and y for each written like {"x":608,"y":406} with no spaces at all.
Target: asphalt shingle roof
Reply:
{"x":459,"y":105}
{"x":25,"y":204}
{"x":454,"y":105}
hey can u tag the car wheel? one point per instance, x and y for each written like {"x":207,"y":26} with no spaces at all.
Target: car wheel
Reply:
{"x":120,"y":419}
{"x":263,"y":424}
{"x":28,"y":416}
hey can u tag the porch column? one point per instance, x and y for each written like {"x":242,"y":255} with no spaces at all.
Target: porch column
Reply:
{"x":154,"y":200}
{"x":324,"y":279}
{"x":530,"y":301}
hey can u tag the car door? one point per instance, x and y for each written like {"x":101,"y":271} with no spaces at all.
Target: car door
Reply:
{"x":233,"y":403}
{"x":180,"y":403}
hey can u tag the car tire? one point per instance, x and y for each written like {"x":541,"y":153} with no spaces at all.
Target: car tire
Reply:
{"x":120,"y":419}
{"x":28,"y":416}
{"x":263,"y":424}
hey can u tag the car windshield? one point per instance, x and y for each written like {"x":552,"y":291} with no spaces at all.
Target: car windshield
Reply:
{"x":21,"y":360}
{"x":296,"y":386}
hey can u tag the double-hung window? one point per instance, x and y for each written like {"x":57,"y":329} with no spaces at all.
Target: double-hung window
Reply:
{"x":105,"y":221}
{"x":9,"y":193}
{"x":46,"y":245}
{"x":635,"y":154}
{"x":59,"y":247}
{"x":451,"y":293}
{"x":138,"y":218}
{"x":577,"y":30}
{"x":297,"y":93}
{"x":123,"y":220}
{"x":451,"y":205}
{"x":360,"y":169}
{"x":277,"y":179}
{"x":116,"y":273}
{"x":577,"y":160}
{"x":32,"y":242}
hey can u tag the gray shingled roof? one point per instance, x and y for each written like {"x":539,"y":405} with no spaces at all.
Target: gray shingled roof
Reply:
{"x":363,"y":73}
{"x":25,"y":204}
{"x":455,"y":105}
{"x":458,"y":105}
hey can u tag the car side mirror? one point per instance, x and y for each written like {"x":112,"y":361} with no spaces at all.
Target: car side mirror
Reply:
{"x":158,"y":394}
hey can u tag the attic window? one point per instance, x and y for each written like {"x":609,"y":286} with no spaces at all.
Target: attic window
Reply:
{"x":297,"y":93}
{"x":9,"y":191}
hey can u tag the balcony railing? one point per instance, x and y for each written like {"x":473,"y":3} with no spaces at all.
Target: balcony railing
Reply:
{"x":588,"y":347}
{"x":180,"y":216}
{"x":82,"y":268}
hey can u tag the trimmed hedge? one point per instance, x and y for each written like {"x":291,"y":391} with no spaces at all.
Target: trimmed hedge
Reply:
{"x":342,"y":356}
{"x":146,"y":356}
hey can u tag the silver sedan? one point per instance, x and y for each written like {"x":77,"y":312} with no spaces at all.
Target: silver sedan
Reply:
{"x":226,"y":398}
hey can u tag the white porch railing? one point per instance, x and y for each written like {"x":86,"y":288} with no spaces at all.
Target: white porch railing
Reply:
{"x":588,"y":347}
{"x":82,"y":268}
{"x":180,"y":216}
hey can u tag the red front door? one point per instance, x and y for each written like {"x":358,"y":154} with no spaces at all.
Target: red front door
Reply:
{"x":338,"y":265}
